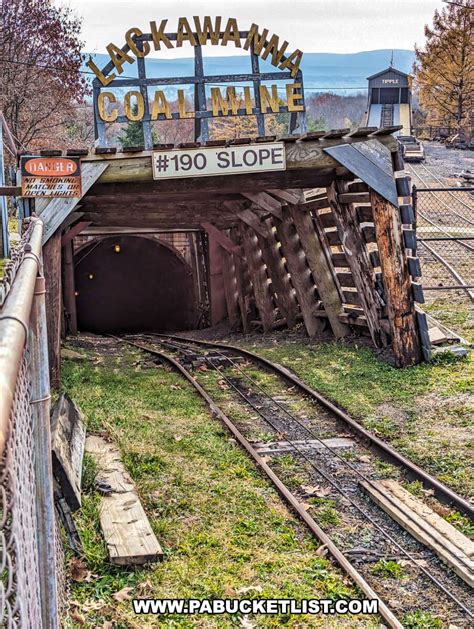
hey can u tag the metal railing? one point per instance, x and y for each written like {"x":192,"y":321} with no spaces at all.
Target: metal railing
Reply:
{"x":30,"y":551}
{"x":445,"y":236}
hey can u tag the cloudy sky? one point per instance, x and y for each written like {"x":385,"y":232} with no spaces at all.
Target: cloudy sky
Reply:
{"x":311,"y":25}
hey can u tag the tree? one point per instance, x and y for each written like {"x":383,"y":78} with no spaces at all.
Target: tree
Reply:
{"x":133,"y":135}
{"x":40,"y":69}
{"x":444,"y":70}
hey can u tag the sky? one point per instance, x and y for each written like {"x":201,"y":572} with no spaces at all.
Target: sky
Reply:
{"x":338,"y":26}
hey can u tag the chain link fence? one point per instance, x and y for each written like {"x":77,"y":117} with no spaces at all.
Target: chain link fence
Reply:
{"x":30,"y":554}
{"x":445,"y":236}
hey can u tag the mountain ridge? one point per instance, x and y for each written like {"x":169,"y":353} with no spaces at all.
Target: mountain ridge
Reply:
{"x":343,"y":73}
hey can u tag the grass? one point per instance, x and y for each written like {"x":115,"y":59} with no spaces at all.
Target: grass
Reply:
{"x":222,"y":526}
{"x":421,"y":620}
{"x":424,"y":411}
{"x":388,"y":568}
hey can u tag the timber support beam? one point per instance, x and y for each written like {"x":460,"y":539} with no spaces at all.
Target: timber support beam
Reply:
{"x":397,"y":282}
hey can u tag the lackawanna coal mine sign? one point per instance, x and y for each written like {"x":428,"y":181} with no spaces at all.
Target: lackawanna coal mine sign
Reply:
{"x":146,"y":99}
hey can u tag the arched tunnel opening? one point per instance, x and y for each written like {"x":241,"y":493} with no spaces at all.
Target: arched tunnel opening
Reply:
{"x":133,"y":284}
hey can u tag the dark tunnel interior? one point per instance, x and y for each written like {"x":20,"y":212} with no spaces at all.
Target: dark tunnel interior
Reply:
{"x":133,"y":284}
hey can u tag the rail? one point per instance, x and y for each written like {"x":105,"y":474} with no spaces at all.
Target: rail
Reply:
{"x":183,"y":346}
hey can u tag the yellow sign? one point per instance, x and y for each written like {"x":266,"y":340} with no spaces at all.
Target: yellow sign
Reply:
{"x":264,"y":46}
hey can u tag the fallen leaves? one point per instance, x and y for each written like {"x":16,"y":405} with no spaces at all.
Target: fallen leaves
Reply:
{"x":123,"y":594}
{"x":79,"y":571}
{"x":246,"y":623}
{"x":250,"y":588}
{"x":77,"y":617}
{"x":316,"y":490}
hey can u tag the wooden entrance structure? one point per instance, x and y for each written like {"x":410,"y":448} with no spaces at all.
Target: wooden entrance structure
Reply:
{"x":328,"y":242}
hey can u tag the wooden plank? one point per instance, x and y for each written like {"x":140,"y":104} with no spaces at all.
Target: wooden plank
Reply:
{"x":352,"y":297}
{"x":451,"y":546}
{"x":346,"y":279}
{"x":318,"y":257}
{"x":243,"y":284}
{"x":259,"y":277}
{"x":68,"y":435}
{"x":302,"y":280}
{"x":365,"y":214}
{"x":224,"y":241}
{"x":315,"y":204}
{"x":397,"y":282}
{"x":276,"y":447}
{"x":74,"y":231}
{"x":129,"y":537}
{"x":265,"y":202}
{"x":283,"y":291}
{"x":69,"y":290}
{"x":333,"y":237}
{"x":339,"y":260}
{"x":230,"y":290}
{"x":354,"y":197}
{"x":368,"y":233}
{"x":57,"y":210}
{"x":10,"y":191}
{"x":287,"y":196}
{"x":327,"y":219}
{"x":359,"y":262}
{"x":437,"y":336}
{"x":52,"y":274}
{"x":252,"y":220}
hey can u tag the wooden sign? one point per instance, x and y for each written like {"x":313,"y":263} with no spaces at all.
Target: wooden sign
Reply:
{"x":209,"y":161}
{"x":51,"y":177}
{"x":145,"y":99}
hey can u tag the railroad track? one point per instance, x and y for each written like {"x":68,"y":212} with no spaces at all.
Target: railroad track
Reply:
{"x":319,"y":458}
{"x":451,"y":222}
{"x":460,"y":203}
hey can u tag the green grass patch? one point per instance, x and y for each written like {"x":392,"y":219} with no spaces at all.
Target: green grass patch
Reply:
{"x":222,"y":526}
{"x":388,"y":568}
{"x":424,"y":411}
{"x":421,"y":620}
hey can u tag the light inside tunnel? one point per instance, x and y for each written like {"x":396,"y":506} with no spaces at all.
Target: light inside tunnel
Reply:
{"x":148,"y":287}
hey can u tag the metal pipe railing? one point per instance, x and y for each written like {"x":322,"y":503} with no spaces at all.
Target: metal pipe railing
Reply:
{"x":14,"y":325}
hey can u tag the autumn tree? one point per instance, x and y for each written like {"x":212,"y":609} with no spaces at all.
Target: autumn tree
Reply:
{"x":40,"y":70}
{"x":444,"y":70}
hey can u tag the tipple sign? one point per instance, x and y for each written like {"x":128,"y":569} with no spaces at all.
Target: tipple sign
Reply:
{"x":152,"y":100}
{"x":58,"y":177}
{"x":205,"y":162}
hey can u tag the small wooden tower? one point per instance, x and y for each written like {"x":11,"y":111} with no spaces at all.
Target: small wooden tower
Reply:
{"x":389,"y":102}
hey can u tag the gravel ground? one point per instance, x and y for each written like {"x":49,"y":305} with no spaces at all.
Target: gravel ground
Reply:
{"x":447,"y":162}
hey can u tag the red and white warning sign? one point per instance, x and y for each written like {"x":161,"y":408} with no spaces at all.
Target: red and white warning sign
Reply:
{"x":51,"y":177}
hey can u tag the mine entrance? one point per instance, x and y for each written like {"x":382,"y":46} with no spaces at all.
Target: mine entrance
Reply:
{"x":133,"y":283}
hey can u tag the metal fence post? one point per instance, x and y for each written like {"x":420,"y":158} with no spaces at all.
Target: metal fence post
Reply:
{"x":40,"y":410}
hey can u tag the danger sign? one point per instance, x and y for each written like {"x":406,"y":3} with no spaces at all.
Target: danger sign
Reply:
{"x":51,"y":177}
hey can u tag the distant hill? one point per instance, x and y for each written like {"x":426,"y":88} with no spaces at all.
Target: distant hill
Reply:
{"x":322,"y":71}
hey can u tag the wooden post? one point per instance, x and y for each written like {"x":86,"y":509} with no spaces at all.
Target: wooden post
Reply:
{"x":218,"y":306}
{"x":69,"y":290}
{"x":300,"y":273}
{"x":52,"y":274}
{"x":259,"y":277}
{"x":243,"y":288}
{"x":284,"y":295}
{"x":40,"y":408}
{"x":321,"y":267}
{"x":397,"y":283}
{"x":357,"y":255}
{"x":230,"y":289}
